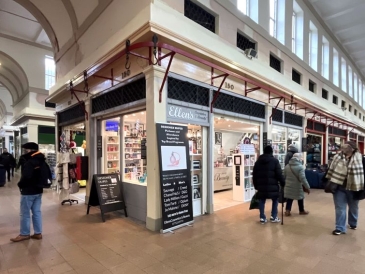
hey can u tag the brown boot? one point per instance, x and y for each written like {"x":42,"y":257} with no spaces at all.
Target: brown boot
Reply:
{"x":20,"y":238}
{"x":37,"y":236}
{"x":287,"y":213}
{"x":304,"y":212}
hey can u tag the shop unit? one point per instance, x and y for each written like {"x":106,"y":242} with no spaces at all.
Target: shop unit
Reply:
{"x":316,"y":143}
{"x":287,"y":130}
{"x":336,"y":138}
{"x":360,"y":144}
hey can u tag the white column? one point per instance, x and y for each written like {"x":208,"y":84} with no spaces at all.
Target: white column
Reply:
{"x":288,"y":4}
{"x":319,"y":56}
{"x":89,"y":130}
{"x":32,"y":133}
{"x":306,"y":38}
{"x":155,"y":112}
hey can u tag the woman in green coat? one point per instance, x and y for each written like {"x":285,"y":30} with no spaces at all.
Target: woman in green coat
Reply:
{"x":295,"y":184}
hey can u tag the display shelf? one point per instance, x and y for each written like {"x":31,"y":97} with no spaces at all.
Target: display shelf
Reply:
{"x":132,"y":146}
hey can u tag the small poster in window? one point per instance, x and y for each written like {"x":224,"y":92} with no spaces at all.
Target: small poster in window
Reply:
{"x":218,"y":138}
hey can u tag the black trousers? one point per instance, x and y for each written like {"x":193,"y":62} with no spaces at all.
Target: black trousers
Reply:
{"x":289,"y":203}
{"x":8,"y":168}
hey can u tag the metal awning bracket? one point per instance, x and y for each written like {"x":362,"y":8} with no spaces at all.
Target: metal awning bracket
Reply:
{"x":274,"y":109}
{"x":73,"y":93}
{"x":247,"y":91}
{"x":215,"y":97}
{"x":172,"y":54}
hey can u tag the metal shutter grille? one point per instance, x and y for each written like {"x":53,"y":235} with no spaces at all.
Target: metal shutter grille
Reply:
{"x":73,"y":114}
{"x":239,"y":105}
{"x":244,"y":43}
{"x":293,"y":119}
{"x":199,"y":15}
{"x":123,"y":95}
{"x":277,"y":115}
{"x":275,"y":63}
{"x":187,"y":92}
{"x":296,"y":76}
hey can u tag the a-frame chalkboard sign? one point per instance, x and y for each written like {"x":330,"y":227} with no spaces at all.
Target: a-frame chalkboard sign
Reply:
{"x":106,"y":192}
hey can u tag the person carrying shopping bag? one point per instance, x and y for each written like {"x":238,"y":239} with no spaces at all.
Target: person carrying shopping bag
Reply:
{"x":295,"y":184}
{"x":347,"y":174}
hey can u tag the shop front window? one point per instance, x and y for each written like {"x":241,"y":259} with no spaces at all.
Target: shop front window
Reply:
{"x":279,"y":142}
{"x":111,"y":130}
{"x":334,"y":146}
{"x":314,"y":150}
{"x":134,"y":148}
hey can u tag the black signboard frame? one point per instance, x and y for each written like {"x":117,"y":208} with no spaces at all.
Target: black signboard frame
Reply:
{"x":109,"y":182}
{"x":175,"y":176}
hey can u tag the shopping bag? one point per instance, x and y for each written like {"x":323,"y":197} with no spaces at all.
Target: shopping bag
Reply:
{"x":74,"y":188}
{"x":254,"y":203}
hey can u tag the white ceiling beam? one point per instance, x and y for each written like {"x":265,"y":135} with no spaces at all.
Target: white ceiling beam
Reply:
{"x":350,"y":41}
{"x":348,"y":27}
{"x":36,"y":36}
{"x":343,"y":12}
{"x":6,"y":36}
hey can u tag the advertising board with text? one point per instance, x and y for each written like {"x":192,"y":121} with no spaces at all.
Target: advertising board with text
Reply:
{"x":175,"y":176}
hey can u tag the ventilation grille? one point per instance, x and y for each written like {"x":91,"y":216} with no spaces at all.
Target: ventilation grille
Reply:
{"x":244,"y":43}
{"x":199,"y":15}
{"x":187,"y":92}
{"x":123,"y":95}
{"x":275,"y":63}
{"x":46,"y":130}
{"x":72,"y":115}
{"x":324,"y":94}
{"x":239,"y":105}
{"x":293,"y":119}
{"x":311,"y":86}
{"x":296,"y":76}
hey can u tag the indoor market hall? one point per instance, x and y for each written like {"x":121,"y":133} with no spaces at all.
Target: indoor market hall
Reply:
{"x":229,"y":241}
{"x":182,"y":136}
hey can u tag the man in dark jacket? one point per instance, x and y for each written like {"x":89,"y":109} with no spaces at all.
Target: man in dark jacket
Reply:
{"x":31,"y":193}
{"x":292,"y":149}
{"x":267,"y":175}
{"x":8,"y":161}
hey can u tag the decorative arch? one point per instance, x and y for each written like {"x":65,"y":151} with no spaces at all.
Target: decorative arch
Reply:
{"x":28,"y":5}
{"x":13,"y":77}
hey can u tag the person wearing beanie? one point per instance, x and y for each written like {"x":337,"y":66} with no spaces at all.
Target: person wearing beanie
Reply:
{"x":295,"y":184}
{"x":291,"y":150}
{"x":347,"y":172}
{"x":31,"y":194}
{"x":266,"y":177}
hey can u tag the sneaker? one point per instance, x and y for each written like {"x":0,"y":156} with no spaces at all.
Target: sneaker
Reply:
{"x":354,"y":227}
{"x":304,"y":212}
{"x":20,"y":238}
{"x":263,"y":221}
{"x":338,"y":232}
{"x":36,"y":236}
{"x":275,"y":220}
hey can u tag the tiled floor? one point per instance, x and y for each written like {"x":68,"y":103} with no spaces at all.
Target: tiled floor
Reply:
{"x":224,"y":199}
{"x":229,"y":241}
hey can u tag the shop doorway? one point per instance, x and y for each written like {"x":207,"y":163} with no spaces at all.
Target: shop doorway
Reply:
{"x":314,"y":151}
{"x":229,"y":134}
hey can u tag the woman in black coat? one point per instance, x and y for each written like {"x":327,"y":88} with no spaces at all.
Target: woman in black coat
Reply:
{"x":267,"y":175}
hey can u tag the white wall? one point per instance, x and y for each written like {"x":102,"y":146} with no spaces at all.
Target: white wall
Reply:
{"x":30,"y":58}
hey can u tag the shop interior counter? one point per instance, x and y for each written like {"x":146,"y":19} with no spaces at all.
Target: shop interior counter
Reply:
{"x":135,"y":196}
{"x":223,"y":178}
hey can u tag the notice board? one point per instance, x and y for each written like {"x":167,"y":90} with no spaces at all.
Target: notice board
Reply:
{"x":106,"y":192}
{"x":175,"y":176}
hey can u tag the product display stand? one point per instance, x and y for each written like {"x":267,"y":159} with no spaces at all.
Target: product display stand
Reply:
{"x":243,"y":189}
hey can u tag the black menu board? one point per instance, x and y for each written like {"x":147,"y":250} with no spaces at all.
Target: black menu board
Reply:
{"x":175,"y":177}
{"x":106,"y":192}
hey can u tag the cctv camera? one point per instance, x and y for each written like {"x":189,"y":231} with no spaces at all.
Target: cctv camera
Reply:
{"x":343,"y":108}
